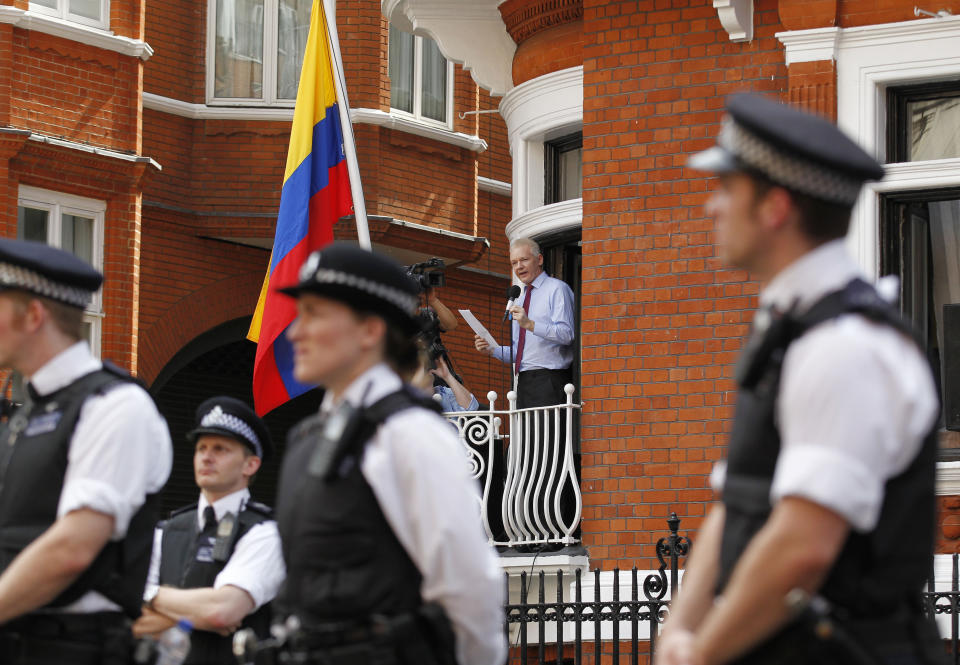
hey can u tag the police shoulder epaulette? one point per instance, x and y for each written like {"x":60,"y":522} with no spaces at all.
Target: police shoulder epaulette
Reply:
{"x":112,"y":368}
{"x":258,"y":507}
{"x":182,"y":510}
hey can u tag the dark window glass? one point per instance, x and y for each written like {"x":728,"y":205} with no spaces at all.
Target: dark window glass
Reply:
{"x":563,"y":169}
{"x":920,"y":243}
{"x":924,"y":122}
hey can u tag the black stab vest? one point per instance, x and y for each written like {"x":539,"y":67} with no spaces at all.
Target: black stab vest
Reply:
{"x":344,"y":562}
{"x":876,"y":572}
{"x":179,"y":568}
{"x":34,"y":444}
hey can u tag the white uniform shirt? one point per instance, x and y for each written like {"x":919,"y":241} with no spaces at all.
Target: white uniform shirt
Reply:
{"x":119,"y":453}
{"x":418,"y":472}
{"x":256,"y":565}
{"x":856,"y":398}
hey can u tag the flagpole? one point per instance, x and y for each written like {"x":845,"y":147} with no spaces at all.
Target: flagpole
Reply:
{"x":349,"y":144}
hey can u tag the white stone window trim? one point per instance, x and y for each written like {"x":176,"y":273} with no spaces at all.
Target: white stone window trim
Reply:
{"x":546,"y":220}
{"x":84,"y":34}
{"x":58,"y":204}
{"x":364,"y":116}
{"x":62,"y":11}
{"x":536,"y":111}
{"x":270,"y":49}
{"x":417,"y":116}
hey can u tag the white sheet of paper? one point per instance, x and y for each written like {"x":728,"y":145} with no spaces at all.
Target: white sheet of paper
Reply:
{"x":478,"y":327}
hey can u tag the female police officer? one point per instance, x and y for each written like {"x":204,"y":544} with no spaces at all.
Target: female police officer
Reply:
{"x":381,"y":535}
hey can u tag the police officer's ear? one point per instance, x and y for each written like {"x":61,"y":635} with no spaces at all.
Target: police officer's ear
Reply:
{"x":372,"y":333}
{"x":251,"y":464}
{"x":775,"y":208}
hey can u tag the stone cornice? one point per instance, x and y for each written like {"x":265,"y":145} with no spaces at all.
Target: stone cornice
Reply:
{"x":525,"y":18}
{"x":75,"y":32}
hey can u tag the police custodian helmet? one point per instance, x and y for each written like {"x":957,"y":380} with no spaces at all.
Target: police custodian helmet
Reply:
{"x":231,"y":417}
{"x":362,"y":279}
{"x":792,"y":148}
{"x":47,"y":271}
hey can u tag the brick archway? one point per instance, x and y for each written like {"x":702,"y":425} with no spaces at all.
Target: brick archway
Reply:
{"x":230,"y":298}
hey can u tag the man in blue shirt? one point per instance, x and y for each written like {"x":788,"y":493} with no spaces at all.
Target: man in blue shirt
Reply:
{"x":542,"y":352}
{"x":542,"y":331}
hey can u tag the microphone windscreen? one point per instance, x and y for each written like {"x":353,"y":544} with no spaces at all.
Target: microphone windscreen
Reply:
{"x":513,"y":292}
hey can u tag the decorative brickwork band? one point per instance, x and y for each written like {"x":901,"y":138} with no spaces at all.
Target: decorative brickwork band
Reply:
{"x":525,"y":18}
{"x":813,"y":86}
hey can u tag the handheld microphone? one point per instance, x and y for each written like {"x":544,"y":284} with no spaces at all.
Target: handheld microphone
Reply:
{"x":512,"y":294}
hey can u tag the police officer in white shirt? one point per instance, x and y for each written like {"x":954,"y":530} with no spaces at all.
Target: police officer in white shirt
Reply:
{"x":827,"y":496}
{"x":217,"y":562}
{"x":381,"y":534}
{"x":80,"y":466}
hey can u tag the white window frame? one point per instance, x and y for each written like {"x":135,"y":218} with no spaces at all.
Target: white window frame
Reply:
{"x":271,"y":29}
{"x":62,"y":11}
{"x":417,"y":116}
{"x":58,"y":204}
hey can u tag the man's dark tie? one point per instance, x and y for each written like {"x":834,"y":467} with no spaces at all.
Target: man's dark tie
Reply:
{"x":209,"y":524}
{"x":522,"y":337}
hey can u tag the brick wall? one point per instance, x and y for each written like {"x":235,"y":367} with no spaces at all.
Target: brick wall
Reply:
{"x":81,"y":93}
{"x":662,"y":320}
{"x":176,"y":29}
{"x":223,"y":178}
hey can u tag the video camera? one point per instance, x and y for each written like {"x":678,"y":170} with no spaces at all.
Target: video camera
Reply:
{"x":427,"y":274}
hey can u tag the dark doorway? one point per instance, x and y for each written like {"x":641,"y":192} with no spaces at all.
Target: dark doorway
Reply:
{"x":218,"y":362}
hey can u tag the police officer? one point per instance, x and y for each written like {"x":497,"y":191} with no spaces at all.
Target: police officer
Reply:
{"x":217,"y":562}
{"x":80,"y":465}
{"x":819,"y":547}
{"x":381,"y":533}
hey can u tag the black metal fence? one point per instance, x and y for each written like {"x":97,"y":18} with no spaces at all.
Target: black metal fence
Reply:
{"x":563,"y":620}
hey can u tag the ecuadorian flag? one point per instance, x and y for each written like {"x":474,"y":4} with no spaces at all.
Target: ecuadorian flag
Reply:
{"x":315,"y":194}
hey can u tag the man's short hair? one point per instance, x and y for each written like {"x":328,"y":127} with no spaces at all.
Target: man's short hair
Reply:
{"x":526,"y":242}
{"x":67,"y":319}
{"x":821,"y":221}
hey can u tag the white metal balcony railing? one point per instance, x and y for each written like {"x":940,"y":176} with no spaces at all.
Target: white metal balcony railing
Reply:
{"x":535,"y":498}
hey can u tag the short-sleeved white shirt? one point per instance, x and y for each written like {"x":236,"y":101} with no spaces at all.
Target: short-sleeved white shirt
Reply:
{"x":256,"y":565}
{"x":120,"y":451}
{"x":856,"y":398}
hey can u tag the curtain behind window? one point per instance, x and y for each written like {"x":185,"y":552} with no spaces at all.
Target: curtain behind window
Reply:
{"x":434,"y":75}
{"x":401,"y":70}
{"x":294,"y":25}
{"x":238,"y":60}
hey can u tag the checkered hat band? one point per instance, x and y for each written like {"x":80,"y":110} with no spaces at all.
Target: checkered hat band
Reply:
{"x":17,"y":277}
{"x":217,"y":418}
{"x":790,"y":171}
{"x":399,"y":299}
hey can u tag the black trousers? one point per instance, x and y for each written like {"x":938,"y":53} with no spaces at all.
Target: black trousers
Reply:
{"x":102,"y":638}
{"x":544,"y":387}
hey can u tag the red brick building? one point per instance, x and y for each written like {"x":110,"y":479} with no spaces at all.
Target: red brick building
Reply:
{"x":153,"y":136}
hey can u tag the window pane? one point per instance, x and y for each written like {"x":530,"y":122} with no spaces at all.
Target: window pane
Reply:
{"x":293,"y":25}
{"x":87,"y":332}
{"x":934,"y":129}
{"x":570,"y":174}
{"x":401,"y":70}
{"x":434,"y":73}
{"x":52,"y":4}
{"x":76,"y":236}
{"x":238,"y":59}
{"x":86,"y":8}
{"x":32,"y":224}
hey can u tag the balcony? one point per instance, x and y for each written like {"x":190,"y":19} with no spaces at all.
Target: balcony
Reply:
{"x":524,"y":462}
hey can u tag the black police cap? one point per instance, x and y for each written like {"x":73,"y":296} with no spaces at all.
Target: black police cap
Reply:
{"x":47,"y":271}
{"x":362,"y":279}
{"x":228,"y":416}
{"x":792,"y":148}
